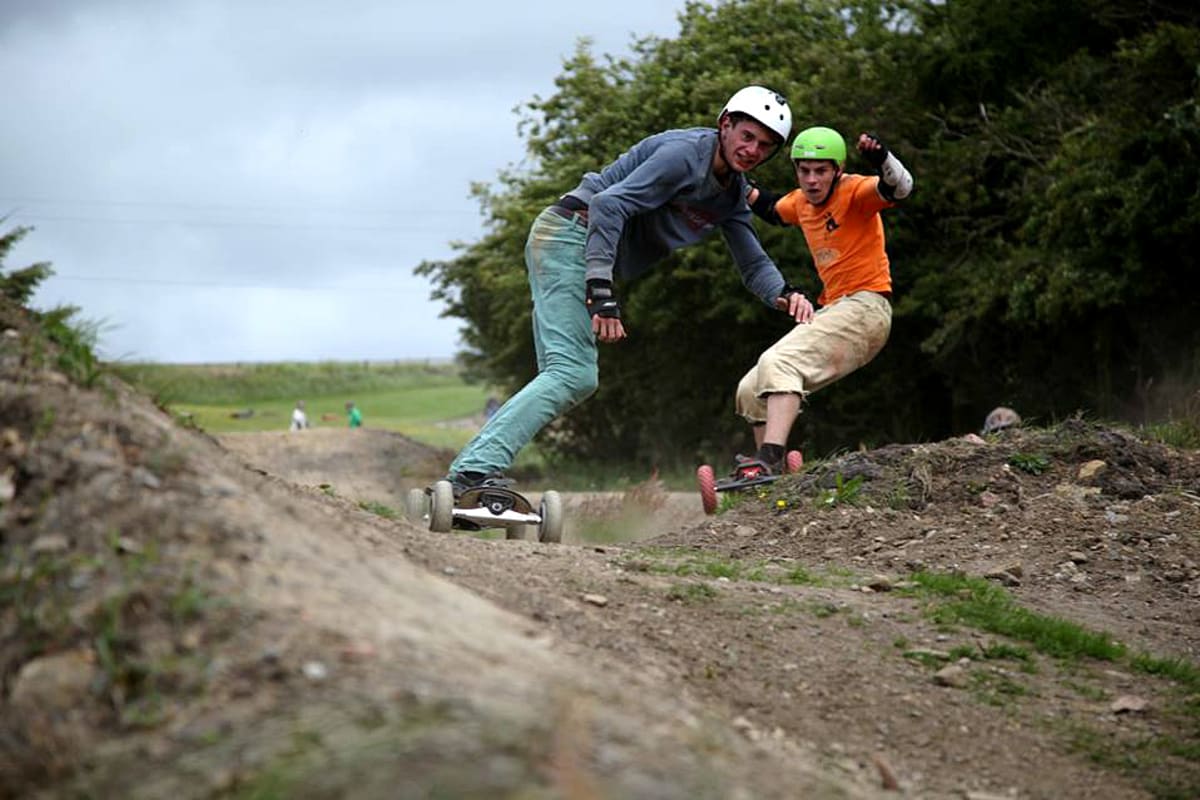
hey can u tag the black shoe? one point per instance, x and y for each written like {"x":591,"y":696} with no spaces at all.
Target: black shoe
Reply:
{"x":463,"y":482}
{"x":749,"y":467}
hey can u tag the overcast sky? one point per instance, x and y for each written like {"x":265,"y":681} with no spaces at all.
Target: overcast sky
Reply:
{"x":254,"y":180}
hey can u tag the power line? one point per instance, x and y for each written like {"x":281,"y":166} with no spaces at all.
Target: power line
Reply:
{"x":226,"y":223}
{"x":238,"y":207}
{"x":218,"y":285}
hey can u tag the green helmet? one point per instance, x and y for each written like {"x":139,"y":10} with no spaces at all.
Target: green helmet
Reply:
{"x":819,"y":144}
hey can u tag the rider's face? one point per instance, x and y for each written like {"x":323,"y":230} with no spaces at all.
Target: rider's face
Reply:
{"x":747,"y":143}
{"x":815,"y":179}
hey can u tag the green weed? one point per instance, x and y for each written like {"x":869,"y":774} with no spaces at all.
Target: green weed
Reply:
{"x":925,"y":658}
{"x":844,"y":492}
{"x":1033,"y":463}
{"x":691,"y":592}
{"x":823,"y":610}
{"x":996,"y":689}
{"x":1177,"y":669}
{"x":76,"y":341}
{"x":379,"y":509}
{"x":981,"y":604}
{"x":801,"y":577}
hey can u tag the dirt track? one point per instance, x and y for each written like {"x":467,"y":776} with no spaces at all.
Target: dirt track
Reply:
{"x":177,"y":623}
{"x":381,"y":466}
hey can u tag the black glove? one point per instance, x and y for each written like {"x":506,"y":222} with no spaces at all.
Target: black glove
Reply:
{"x":789,"y":289}
{"x":764,"y":206}
{"x":876,"y":157}
{"x":602,"y":300}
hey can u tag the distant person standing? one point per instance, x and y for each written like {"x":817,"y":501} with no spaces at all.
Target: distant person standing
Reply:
{"x":299,"y":417}
{"x":353,"y":415}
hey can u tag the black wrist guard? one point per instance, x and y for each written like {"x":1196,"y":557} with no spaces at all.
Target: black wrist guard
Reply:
{"x":876,"y":157}
{"x":602,"y":300}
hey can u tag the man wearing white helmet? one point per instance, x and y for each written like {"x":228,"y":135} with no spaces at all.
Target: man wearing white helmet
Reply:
{"x":669,"y":190}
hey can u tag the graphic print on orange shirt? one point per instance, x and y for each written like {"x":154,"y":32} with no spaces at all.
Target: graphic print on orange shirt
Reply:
{"x":844,"y":235}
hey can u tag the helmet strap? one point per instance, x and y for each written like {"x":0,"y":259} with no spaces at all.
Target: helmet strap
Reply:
{"x":721,"y":145}
{"x":832,"y":184}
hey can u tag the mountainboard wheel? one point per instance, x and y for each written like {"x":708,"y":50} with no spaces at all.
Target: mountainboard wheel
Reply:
{"x":794,"y":462}
{"x":707,"y":482}
{"x":416,"y":505}
{"x":551,"y":511}
{"x":441,"y":509}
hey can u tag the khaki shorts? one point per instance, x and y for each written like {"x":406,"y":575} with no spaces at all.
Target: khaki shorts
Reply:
{"x":841,"y":338}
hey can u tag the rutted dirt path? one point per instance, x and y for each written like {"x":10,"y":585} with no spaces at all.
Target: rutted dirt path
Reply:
{"x":189,"y":617}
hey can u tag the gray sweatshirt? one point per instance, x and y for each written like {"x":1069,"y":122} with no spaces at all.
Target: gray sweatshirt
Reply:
{"x":661,"y":195}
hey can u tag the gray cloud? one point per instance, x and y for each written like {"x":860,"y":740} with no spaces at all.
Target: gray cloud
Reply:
{"x":254,"y":181}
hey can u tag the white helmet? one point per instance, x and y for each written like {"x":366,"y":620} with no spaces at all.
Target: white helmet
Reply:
{"x":764,"y":106}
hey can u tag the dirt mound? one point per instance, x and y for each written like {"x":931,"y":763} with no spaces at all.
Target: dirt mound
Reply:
{"x":362,"y":463}
{"x":177,"y":624}
{"x":379,"y":467}
{"x":1009,"y":618}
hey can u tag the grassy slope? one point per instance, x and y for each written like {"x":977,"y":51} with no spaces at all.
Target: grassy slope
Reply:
{"x":414,"y":398}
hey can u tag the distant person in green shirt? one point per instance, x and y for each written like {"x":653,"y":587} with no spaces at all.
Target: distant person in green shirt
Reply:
{"x":353,"y":415}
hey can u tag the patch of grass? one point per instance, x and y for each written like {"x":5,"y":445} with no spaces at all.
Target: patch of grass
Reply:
{"x":996,"y":652}
{"x":801,"y":577}
{"x":924,"y":657}
{"x":844,"y":492}
{"x":996,"y":689}
{"x":1152,"y":761}
{"x":36,"y":589}
{"x":824,"y":610}
{"x":1177,"y":669}
{"x":685,"y":563}
{"x":76,"y":341}
{"x":1182,"y":428}
{"x":379,"y":509}
{"x":415,"y":398}
{"x":1094,"y":693}
{"x":189,"y":601}
{"x":979,"y":603}
{"x":899,"y":497}
{"x":45,"y":423}
{"x":1033,"y":463}
{"x":1168,"y":766}
{"x":691,"y":592}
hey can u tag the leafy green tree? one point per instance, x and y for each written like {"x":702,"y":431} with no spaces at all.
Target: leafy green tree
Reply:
{"x":20,"y":284}
{"x":1046,"y":259}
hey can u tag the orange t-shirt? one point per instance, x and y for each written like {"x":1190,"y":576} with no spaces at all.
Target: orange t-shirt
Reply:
{"x":844,"y":235}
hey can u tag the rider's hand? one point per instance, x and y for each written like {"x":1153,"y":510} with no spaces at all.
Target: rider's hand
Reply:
{"x":605,"y":310}
{"x":873,"y":149}
{"x":795,"y":304}
{"x":752,"y":191}
{"x":608,"y":330}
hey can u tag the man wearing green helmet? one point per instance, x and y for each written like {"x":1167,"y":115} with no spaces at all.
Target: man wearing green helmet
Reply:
{"x":669,"y":190}
{"x":839,"y":214}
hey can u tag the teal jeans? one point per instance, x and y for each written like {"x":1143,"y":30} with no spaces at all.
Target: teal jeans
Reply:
{"x":562,"y":338}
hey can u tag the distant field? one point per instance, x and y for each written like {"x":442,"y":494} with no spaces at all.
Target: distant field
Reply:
{"x":425,"y":400}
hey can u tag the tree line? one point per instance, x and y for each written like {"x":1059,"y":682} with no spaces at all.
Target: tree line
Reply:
{"x":1047,"y":259}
